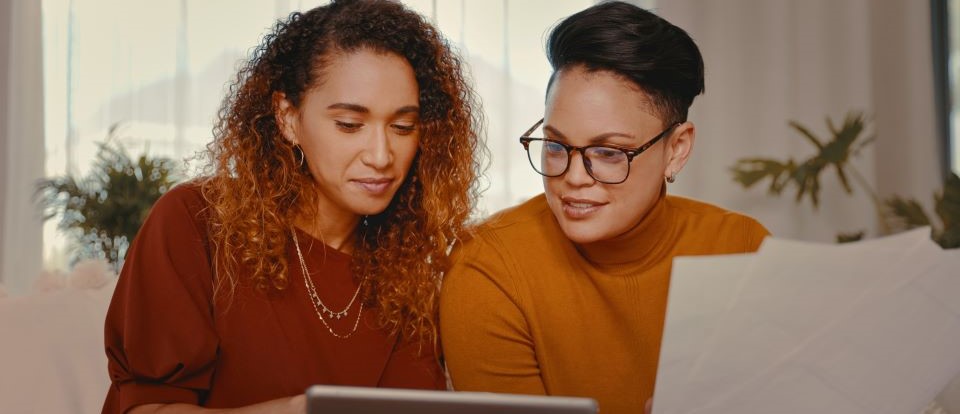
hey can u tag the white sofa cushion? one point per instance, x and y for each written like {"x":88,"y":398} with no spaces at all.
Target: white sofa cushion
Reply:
{"x":51,"y":351}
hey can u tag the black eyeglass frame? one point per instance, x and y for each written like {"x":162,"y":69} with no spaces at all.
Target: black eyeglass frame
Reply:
{"x":525,"y":140}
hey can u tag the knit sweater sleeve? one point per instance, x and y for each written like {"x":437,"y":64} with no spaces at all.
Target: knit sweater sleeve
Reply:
{"x":486,"y":339}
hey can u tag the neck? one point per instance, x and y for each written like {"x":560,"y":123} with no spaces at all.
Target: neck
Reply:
{"x":644,"y":243}
{"x":334,"y":227}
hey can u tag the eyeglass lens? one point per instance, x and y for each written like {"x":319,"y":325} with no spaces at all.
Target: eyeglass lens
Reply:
{"x":602,"y":163}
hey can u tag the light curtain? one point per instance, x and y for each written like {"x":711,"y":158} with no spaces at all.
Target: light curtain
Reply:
{"x":21,"y":141}
{"x":772,"y":61}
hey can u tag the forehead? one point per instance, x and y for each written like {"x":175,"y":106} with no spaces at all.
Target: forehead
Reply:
{"x":582,"y":102}
{"x":367,"y":77}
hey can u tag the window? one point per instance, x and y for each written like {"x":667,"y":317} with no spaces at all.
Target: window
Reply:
{"x":945,"y":24}
{"x":953,"y":42}
{"x":157,"y":71}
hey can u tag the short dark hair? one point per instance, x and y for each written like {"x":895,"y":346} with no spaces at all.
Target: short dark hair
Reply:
{"x":658,"y":57}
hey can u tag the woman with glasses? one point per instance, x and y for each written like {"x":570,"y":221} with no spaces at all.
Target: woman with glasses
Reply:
{"x":565,"y":294}
{"x":342,"y":170}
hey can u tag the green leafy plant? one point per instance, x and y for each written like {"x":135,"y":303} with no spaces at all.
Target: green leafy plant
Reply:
{"x":103,"y":211}
{"x":908,"y":214}
{"x":835,"y":153}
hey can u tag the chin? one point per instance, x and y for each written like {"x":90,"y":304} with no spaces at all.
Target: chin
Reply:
{"x":369,"y":206}
{"x":370,"y":210}
{"x":583,"y":232}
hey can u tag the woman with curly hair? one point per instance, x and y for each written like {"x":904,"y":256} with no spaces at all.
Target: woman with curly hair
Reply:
{"x":343,"y":168}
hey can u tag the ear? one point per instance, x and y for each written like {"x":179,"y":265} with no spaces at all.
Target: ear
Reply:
{"x":679,"y":147}
{"x":286,"y":116}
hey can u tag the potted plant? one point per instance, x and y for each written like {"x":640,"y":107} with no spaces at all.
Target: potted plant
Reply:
{"x":835,"y":153}
{"x":103,"y":211}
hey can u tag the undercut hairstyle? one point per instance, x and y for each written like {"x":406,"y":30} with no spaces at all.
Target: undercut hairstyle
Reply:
{"x":659,"y":58}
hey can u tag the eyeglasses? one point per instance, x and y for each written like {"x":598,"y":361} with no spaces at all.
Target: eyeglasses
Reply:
{"x":605,"y":163}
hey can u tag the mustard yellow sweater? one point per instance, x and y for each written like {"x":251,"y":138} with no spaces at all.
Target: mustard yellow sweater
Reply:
{"x":524,"y":310}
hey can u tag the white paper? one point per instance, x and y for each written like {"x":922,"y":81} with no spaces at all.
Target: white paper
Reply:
{"x":871,"y":327}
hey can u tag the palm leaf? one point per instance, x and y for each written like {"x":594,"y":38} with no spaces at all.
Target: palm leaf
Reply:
{"x":906,"y":213}
{"x":839,"y":149}
{"x":855,"y":151}
{"x":842,"y":176}
{"x":806,"y":134}
{"x":807,"y":179}
{"x":850,"y":237}
{"x":750,"y":171}
{"x":846,"y":141}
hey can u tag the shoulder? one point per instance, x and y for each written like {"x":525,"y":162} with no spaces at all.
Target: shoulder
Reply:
{"x":697,"y":208}
{"x":184,"y":204}
{"x":521,"y":215}
{"x":496,"y":247}
{"x":184,"y":195}
{"x":517,"y":225}
{"x":704,"y":222}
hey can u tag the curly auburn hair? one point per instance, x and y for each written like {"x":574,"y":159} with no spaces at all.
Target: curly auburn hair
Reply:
{"x":256,"y":186}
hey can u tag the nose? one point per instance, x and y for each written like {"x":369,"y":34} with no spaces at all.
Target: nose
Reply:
{"x":378,"y":154}
{"x":577,"y":174}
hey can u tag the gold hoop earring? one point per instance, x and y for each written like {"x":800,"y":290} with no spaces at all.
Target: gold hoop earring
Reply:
{"x":297,"y":149}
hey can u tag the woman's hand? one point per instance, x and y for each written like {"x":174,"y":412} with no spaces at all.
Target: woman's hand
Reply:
{"x":289,"y":405}
{"x":297,"y":404}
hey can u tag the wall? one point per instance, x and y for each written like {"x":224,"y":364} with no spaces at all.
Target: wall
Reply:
{"x":772,"y":61}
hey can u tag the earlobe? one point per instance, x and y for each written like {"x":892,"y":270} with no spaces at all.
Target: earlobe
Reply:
{"x":681,"y":146}
{"x":285,"y":116}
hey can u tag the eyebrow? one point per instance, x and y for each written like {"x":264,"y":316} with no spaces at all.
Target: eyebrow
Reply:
{"x":599,"y":139}
{"x":409,"y":109}
{"x":364,"y":110}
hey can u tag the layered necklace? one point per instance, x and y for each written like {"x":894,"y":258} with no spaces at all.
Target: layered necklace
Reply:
{"x":324,"y":312}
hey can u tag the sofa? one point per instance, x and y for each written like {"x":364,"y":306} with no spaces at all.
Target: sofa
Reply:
{"x":51,"y":349}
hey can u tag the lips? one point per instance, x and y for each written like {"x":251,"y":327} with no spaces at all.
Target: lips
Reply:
{"x":580,"y":208}
{"x":374,"y":185}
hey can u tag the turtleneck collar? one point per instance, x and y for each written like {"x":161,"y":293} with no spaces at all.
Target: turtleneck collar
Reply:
{"x":647,"y":242}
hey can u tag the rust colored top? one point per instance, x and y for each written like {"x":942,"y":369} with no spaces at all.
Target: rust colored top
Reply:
{"x":168,"y":341}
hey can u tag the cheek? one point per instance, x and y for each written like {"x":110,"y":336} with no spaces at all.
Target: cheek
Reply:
{"x":628,"y":199}
{"x":646,"y":175}
{"x":326,"y":165}
{"x":636,"y":194}
{"x":406,"y":151}
{"x":651,"y":164}
{"x":551,"y":185}
{"x":314,"y":139}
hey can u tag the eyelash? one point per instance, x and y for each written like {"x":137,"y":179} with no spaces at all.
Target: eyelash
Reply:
{"x":405,"y":129}
{"x":354,"y":127}
{"x":348,"y":126}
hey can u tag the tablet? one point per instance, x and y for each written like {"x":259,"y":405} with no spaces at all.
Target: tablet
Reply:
{"x":330,"y":399}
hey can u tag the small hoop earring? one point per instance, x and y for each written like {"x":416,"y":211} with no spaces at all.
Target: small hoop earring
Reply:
{"x":672,"y":178}
{"x":296,"y":150}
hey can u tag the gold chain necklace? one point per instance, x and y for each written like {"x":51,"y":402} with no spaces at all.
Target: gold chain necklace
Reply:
{"x":318,"y":304}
